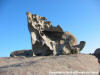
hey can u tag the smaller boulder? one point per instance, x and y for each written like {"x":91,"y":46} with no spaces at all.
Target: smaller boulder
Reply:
{"x":97,"y":53}
{"x":26,"y":53}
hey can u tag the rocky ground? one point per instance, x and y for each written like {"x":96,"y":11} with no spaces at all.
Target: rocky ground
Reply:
{"x":47,"y":65}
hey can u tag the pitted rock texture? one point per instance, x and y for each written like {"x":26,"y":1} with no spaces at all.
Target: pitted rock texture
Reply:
{"x":43,"y":65}
{"x":49,"y":40}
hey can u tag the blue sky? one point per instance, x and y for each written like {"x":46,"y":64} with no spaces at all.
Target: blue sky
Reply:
{"x":80,"y":17}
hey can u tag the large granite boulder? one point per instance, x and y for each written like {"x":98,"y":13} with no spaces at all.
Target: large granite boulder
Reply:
{"x":49,"y":40}
{"x":74,"y":64}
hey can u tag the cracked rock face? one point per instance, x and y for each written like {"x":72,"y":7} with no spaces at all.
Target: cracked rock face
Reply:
{"x":49,"y":40}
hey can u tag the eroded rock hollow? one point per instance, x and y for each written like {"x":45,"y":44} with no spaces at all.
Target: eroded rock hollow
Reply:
{"x":49,"y":40}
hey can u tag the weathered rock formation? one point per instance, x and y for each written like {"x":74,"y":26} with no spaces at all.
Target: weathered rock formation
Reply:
{"x":78,"y":64}
{"x":49,"y":40}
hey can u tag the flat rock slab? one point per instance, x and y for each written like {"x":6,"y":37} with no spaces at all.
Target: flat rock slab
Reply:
{"x":50,"y":65}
